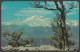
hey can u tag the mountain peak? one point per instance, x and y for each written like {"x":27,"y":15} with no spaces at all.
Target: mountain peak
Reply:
{"x":35,"y":21}
{"x":35,"y":17}
{"x":31,"y":21}
{"x":72,"y":22}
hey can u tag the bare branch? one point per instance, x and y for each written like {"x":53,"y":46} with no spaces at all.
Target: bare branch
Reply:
{"x":45,"y":2}
{"x":68,"y":10}
{"x":71,"y":7}
{"x":7,"y":38}
{"x":57,"y":6}
{"x":62,"y":6}
{"x":50,"y":8}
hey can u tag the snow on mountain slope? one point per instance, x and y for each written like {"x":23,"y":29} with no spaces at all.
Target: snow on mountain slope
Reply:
{"x":31,"y":21}
{"x":72,"y":22}
{"x":38,"y":21}
{"x":6,"y":23}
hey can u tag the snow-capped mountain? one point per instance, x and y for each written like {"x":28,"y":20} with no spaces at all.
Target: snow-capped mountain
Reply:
{"x":72,"y":22}
{"x":38,"y":27}
{"x":31,"y":21}
{"x":38,"y":21}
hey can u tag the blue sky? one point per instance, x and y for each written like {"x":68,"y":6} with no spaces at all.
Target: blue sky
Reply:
{"x":12,"y":10}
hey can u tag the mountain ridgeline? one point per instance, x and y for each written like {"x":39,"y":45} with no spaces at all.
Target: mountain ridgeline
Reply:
{"x":38,"y":27}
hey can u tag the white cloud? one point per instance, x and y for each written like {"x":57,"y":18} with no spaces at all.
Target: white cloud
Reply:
{"x":33,"y":11}
{"x":3,"y":7}
{"x":71,"y":13}
{"x":39,"y":21}
{"x":7,"y":23}
{"x":67,"y":4}
{"x":74,"y":11}
{"x":72,"y":22}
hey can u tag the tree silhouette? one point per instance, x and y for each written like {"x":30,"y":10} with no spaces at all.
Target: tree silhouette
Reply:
{"x":14,"y":38}
{"x":62,"y":10}
{"x":57,"y":38}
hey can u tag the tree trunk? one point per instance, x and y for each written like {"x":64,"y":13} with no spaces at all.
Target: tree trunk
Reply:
{"x":64,"y":28}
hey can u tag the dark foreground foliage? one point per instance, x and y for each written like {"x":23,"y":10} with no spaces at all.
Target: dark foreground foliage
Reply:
{"x":15,"y":40}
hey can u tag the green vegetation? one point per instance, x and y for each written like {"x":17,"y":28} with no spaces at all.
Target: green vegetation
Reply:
{"x":60,"y":28}
{"x":14,"y":39}
{"x":57,"y":39}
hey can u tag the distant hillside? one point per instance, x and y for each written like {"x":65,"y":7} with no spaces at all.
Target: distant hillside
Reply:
{"x":38,"y":27}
